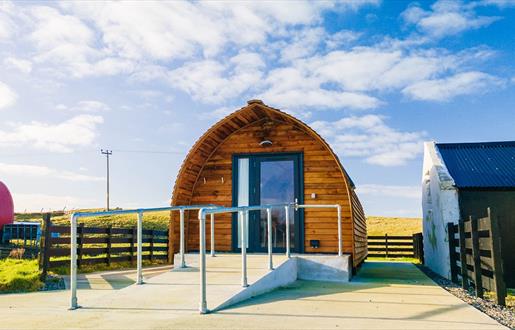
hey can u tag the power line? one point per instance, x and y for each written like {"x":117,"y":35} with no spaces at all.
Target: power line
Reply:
{"x":149,"y":151}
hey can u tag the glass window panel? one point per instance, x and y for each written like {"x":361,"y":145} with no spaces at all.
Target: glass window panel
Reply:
{"x":277,"y":186}
{"x":243,"y":193}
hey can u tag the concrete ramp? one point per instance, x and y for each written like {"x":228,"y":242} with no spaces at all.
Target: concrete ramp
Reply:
{"x":325,"y":268}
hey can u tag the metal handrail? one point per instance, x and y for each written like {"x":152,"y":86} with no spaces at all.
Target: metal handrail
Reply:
{"x":139,"y":212}
{"x":243,"y":215}
{"x":204,"y":210}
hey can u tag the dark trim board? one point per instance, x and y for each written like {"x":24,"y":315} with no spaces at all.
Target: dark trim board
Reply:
{"x":254,"y":159}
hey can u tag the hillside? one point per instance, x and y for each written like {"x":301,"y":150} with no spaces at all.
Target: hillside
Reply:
{"x":393,"y":226}
{"x":151,"y":220}
{"x":159,"y":220}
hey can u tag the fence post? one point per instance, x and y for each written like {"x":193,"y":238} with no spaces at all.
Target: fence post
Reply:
{"x":476,"y":257}
{"x":109,"y":243}
{"x":452,"y":251}
{"x":133,"y":238}
{"x":45,"y":244}
{"x":421,"y":247}
{"x":414,"y":241}
{"x":386,"y":244}
{"x":151,"y":245}
{"x":495,"y":237}
{"x":80,"y":235}
{"x":463,"y":255}
{"x":167,"y":244}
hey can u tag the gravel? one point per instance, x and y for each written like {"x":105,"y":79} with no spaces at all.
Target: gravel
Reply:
{"x":503,"y":315}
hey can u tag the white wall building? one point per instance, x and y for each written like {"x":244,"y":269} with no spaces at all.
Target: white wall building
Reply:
{"x":440,"y":205}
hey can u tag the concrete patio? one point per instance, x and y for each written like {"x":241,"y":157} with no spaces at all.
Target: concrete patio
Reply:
{"x":386,"y":295}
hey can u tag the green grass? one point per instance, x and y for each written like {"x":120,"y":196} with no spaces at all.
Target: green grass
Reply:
{"x":19,"y":275}
{"x":91,"y":268}
{"x":378,"y":226}
{"x":400,"y":259}
{"x":151,"y":220}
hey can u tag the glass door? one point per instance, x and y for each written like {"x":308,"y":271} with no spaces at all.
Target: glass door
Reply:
{"x":276,"y":186}
{"x":268,"y":179}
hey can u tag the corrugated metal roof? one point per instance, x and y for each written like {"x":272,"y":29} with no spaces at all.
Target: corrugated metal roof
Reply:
{"x":480,"y":165}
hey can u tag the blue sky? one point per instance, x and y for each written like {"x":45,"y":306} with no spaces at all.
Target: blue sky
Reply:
{"x":376,"y":79}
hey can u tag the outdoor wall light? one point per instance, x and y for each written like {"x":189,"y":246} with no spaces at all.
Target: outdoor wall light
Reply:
{"x":265,"y":143}
{"x":315,"y":244}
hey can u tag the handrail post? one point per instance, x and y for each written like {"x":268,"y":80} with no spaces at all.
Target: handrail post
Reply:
{"x":181,"y":243}
{"x":202,"y":262}
{"x":73,"y":262}
{"x":269,"y":230}
{"x":287,"y":216}
{"x":212,"y":234}
{"x":340,"y":245}
{"x":244,"y":215}
{"x":139,"y":259}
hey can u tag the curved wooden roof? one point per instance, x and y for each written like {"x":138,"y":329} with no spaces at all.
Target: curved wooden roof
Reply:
{"x":207,"y":144}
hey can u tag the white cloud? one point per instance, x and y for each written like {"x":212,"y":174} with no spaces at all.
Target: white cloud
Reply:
{"x":446,"y":18}
{"x":446,"y":88}
{"x":44,"y":172}
{"x":22,"y":65}
{"x":499,"y":3}
{"x":78,"y":131}
{"x":85,"y":106}
{"x":36,"y":202}
{"x":7,"y":96}
{"x":345,"y":79}
{"x":213,"y":82}
{"x":389,"y":190}
{"x":370,"y":138}
{"x":7,"y":26}
{"x":217,"y":113}
{"x":172,"y":30}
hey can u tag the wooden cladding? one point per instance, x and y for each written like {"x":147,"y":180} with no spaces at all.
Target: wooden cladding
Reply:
{"x":206,"y":177}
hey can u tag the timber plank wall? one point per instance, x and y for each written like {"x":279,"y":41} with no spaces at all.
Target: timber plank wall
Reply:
{"x":200,"y":182}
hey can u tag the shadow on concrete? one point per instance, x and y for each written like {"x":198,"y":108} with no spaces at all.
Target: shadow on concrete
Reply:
{"x":373,"y":275}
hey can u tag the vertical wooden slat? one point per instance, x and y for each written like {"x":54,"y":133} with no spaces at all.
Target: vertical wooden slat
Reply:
{"x":386,"y":244}
{"x":495,"y":237}
{"x":133,"y":241}
{"x":168,"y":242}
{"x":452,"y":251}
{"x":45,"y":244}
{"x":463,"y":255}
{"x":476,"y":257}
{"x":80,"y":236}
{"x":415,"y":246}
{"x":109,"y":236}
{"x":151,"y":245}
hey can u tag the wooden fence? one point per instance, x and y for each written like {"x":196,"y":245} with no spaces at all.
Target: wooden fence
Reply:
{"x":396,"y":246}
{"x":98,"y":245}
{"x":476,"y":243}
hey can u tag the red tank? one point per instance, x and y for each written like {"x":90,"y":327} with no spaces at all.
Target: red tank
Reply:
{"x":6,"y":206}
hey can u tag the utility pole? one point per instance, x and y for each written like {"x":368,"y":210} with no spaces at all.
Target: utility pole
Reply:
{"x":107,"y":153}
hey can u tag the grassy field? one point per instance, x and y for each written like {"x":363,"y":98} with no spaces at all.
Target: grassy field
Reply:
{"x":377,"y":226}
{"x":19,"y":275}
{"x":151,"y":220}
{"x":159,"y":221}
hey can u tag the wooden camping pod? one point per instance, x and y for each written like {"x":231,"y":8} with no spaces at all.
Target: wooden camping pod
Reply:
{"x":206,"y":176}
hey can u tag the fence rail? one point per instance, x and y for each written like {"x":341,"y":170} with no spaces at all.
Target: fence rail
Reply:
{"x":392,"y":246}
{"x":475,"y":255}
{"x":96,"y":245}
